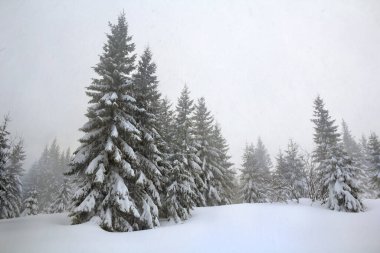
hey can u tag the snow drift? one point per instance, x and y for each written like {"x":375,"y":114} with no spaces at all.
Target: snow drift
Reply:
{"x":236,"y":228}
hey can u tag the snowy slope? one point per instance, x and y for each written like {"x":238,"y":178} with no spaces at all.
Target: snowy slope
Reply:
{"x":237,"y":228}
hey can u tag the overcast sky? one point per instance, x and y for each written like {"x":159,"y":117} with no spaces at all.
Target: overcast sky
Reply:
{"x":259,"y":64}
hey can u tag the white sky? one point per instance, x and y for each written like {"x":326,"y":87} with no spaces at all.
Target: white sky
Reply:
{"x":259,"y":64}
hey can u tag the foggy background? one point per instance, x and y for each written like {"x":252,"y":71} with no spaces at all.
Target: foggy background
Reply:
{"x":259,"y":64}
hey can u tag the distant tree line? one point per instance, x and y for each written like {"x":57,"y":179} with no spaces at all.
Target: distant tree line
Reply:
{"x":43,"y":188}
{"x":338,"y":172}
{"x":45,"y":184}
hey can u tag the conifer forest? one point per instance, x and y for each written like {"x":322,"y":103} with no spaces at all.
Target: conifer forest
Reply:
{"x":215,"y":126}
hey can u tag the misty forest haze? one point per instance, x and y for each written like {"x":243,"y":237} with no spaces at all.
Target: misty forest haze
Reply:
{"x":259,"y":64}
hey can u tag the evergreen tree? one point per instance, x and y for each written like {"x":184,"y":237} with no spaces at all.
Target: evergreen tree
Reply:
{"x":340,"y":177}
{"x":291,"y":170}
{"x":212,"y":151}
{"x":325,"y":137}
{"x":30,"y":204}
{"x":211,"y":171}
{"x":358,"y":157}
{"x":6,"y":204}
{"x":14,"y":172}
{"x":11,"y":159}
{"x":107,"y":171}
{"x":149,"y":156}
{"x":166,"y":128}
{"x":373,"y":148}
{"x":62,"y":200}
{"x":4,"y":144}
{"x":185,"y":184}
{"x":254,"y":179}
{"x":227,"y":185}
{"x":280,"y":190}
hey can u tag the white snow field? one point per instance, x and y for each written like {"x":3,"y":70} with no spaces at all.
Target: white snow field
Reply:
{"x":236,"y":228}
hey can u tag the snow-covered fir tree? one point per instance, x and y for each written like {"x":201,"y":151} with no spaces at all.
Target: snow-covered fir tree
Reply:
{"x":148,"y":155}
{"x":213,"y":171}
{"x":4,"y":150}
{"x":358,"y":156}
{"x":62,"y":199}
{"x":6,"y":208}
{"x":166,"y":129}
{"x":202,"y":130}
{"x":280,"y":190}
{"x":325,"y":137}
{"x":254,"y":180}
{"x":291,"y":171}
{"x":11,"y":161}
{"x":110,"y":180}
{"x":227,"y":186}
{"x":14,"y":172}
{"x":373,"y":149}
{"x":341,"y":179}
{"x":30,"y":204}
{"x":185,"y":185}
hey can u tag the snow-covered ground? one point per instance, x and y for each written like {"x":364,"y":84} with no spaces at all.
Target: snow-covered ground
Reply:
{"x":236,"y":228}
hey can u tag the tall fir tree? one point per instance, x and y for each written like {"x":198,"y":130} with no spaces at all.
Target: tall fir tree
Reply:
{"x":227,"y":186}
{"x":185,"y":185}
{"x":165,"y":128}
{"x":337,"y":172}
{"x":211,"y":171}
{"x":11,"y":161}
{"x":5,"y":203}
{"x":373,"y":149}
{"x":212,"y":151}
{"x":110,"y":183}
{"x":326,"y":136}
{"x":4,"y":144}
{"x":145,"y":91}
{"x":14,"y":173}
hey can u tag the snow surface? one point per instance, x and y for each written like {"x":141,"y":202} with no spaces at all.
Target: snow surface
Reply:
{"x":235,"y":228}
